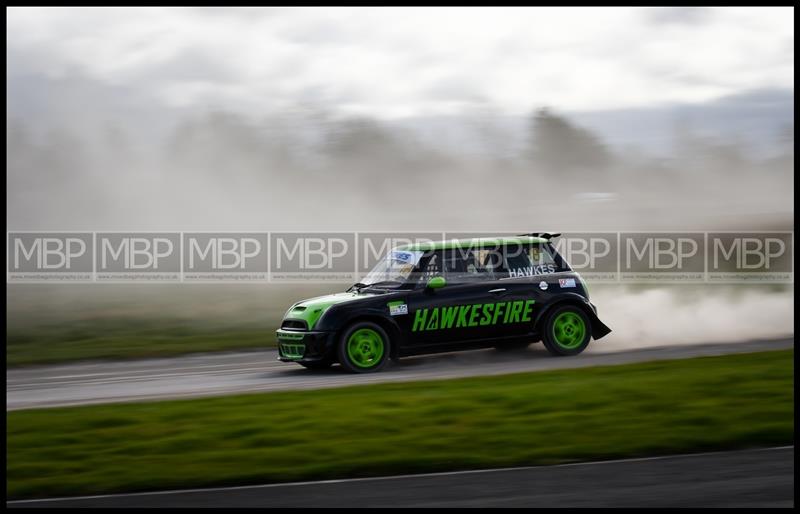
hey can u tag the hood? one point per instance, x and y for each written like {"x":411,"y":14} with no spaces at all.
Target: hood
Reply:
{"x":312,"y":309}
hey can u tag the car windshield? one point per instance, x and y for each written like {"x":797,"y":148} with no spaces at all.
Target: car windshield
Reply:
{"x":395,"y":267}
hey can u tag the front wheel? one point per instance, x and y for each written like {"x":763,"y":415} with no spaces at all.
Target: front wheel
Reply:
{"x":567,"y":331}
{"x":363,"y":348}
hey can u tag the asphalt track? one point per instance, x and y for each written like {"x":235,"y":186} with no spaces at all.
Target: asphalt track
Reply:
{"x":744,"y":478}
{"x":226,"y":373}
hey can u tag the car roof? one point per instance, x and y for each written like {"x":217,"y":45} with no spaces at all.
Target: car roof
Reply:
{"x":480,"y":242}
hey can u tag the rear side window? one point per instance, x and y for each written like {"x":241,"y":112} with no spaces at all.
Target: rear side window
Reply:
{"x":530,"y":260}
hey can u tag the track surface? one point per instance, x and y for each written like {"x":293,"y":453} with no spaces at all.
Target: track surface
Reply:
{"x":746,"y":478}
{"x":220,"y":374}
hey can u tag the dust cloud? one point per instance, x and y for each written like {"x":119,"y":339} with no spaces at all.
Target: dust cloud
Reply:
{"x":314,"y":170}
{"x":660,"y":316}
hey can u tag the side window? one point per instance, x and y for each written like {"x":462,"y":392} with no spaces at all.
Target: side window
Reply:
{"x":429,"y":266}
{"x":457,"y":265}
{"x":516,"y":259}
{"x":558,"y":261}
{"x":465,"y":265}
{"x":528,"y":260}
{"x":432,"y":267}
{"x":545,"y":257}
{"x":492,"y":259}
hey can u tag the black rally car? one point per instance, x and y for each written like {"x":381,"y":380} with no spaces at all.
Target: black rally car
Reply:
{"x":505,"y":292}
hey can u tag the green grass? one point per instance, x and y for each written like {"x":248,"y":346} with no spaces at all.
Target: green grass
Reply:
{"x":69,"y":322}
{"x":54,"y":323}
{"x":529,"y":418}
{"x":128,"y":338}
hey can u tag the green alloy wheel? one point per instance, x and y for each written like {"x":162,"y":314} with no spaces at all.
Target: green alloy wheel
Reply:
{"x":364,"y":348}
{"x":567,"y":331}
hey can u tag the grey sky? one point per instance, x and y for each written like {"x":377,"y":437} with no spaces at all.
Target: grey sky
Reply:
{"x":398,"y":62}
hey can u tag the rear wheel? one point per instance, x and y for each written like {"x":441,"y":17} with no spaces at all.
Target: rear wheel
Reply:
{"x":363,"y":347}
{"x":567,"y":331}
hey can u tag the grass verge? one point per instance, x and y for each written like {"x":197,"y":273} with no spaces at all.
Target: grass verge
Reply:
{"x":55,"y":323}
{"x":145,"y":339}
{"x":653,"y":408}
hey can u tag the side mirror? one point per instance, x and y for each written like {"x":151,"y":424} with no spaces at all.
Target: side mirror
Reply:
{"x":436,"y":282}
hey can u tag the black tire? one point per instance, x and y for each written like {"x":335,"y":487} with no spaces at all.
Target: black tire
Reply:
{"x":512,"y":347}
{"x":323,"y":364}
{"x":562,"y":334}
{"x":361,"y":355}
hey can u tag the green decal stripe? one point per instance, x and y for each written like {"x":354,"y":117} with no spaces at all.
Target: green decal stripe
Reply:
{"x":478,"y":314}
{"x":311,"y":310}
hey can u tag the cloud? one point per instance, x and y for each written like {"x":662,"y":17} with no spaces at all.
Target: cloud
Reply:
{"x":679,"y":15}
{"x":395,"y":62}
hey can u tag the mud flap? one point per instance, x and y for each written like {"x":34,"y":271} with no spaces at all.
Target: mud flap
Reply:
{"x":599,"y":329}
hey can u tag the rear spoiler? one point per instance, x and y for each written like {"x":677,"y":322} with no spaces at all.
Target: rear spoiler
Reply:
{"x":545,"y":235}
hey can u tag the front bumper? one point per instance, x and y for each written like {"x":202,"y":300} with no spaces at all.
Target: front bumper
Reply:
{"x":303,"y":346}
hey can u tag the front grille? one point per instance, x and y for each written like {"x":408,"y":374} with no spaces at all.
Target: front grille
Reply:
{"x":292,"y":350}
{"x":294,"y":324}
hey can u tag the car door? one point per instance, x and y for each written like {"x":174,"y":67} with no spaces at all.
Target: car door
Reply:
{"x":454,"y":313}
{"x":528,"y":275}
{"x":516,"y":299}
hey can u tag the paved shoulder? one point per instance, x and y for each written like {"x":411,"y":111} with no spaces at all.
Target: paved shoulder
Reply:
{"x":747,"y":478}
